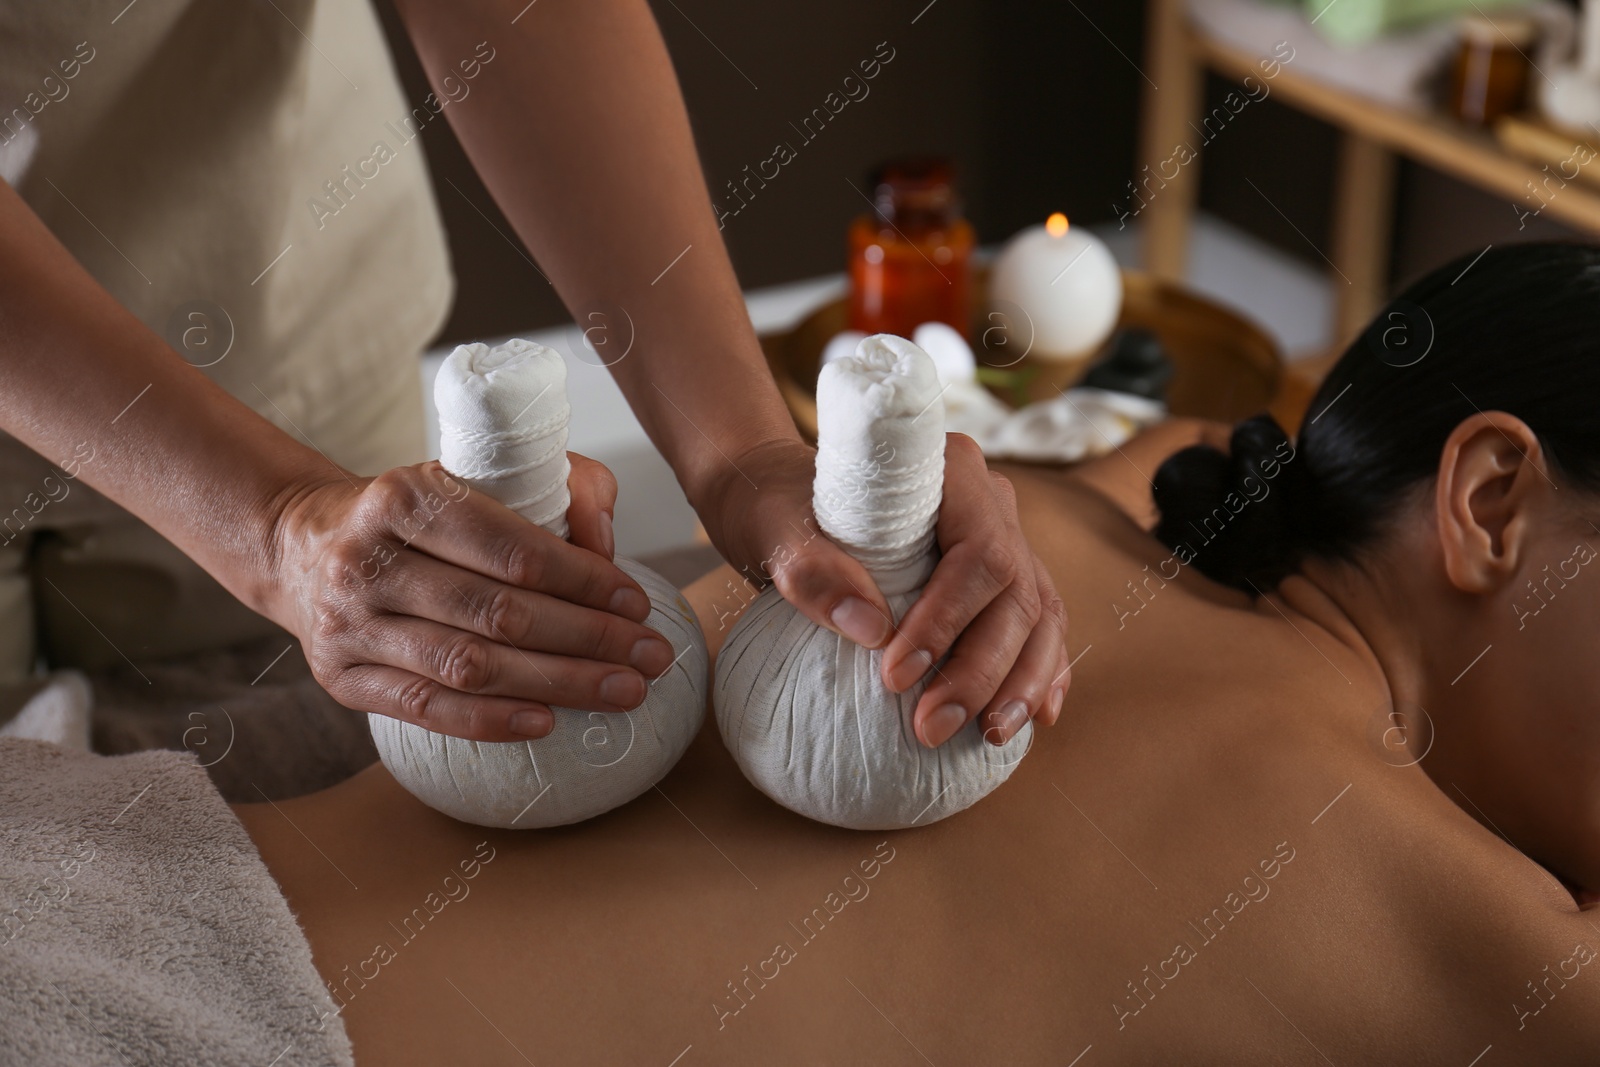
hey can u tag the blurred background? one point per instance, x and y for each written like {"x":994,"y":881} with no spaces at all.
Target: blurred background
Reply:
{"x":1379,"y":144}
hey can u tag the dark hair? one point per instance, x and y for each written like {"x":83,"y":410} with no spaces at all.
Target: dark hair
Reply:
{"x":1513,"y":329}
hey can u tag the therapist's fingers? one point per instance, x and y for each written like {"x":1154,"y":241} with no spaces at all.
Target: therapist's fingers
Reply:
{"x":1038,"y":680}
{"x":475,"y":666}
{"x":762,"y":522}
{"x":470,"y":530}
{"x":973,"y":680}
{"x":594,"y":504}
{"x":425,"y":702}
{"x":833,"y":590}
{"x":985,"y":561}
{"x":421,"y":586}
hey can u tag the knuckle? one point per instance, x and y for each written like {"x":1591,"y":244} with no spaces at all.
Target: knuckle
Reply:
{"x":600,"y":476}
{"x":799,"y":575}
{"x":506,"y":612}
{"x":997,"y":559}
{"x":327,"y":627}
{"x":418,"y":698}
{"x":464,"y":664}
{"x":391,"y":492}
{"x":1003,"y":486}
{"x":523,"y":563}
{"x":610,"y":635}
{"x":595,"y":584}
{"x":1052,"y":608}
{"x":979,"y":680}
{"x":343,"y":564}
{"x":1030,"y":608}
{"x":943,"y":625}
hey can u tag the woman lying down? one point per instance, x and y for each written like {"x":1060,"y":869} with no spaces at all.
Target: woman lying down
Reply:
{"x":1326,"y":789}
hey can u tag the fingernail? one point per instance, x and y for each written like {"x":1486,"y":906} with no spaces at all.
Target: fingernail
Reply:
{"x":650,"y":656}
{"x":534,"y":722}
{"x":907,"y":672}
{"x":942,"y":724}
{"x":608,"y":539}
{"x":624,"y":689}
{"x":1011,"y":718}
{"x":860,"y":622}
{"x":1056,"y":696}
{"x":630,"y":604}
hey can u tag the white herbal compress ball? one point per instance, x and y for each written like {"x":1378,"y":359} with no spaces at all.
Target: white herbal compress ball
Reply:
{"x":503,"y":430}
{"x":804,"y":711}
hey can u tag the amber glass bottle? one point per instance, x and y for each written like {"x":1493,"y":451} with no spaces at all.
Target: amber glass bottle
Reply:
{"x":911,"y":259}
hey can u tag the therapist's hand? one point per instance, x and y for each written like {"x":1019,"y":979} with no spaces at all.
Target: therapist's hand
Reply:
{"x":417,"y":597}
{"x":990,"y":605}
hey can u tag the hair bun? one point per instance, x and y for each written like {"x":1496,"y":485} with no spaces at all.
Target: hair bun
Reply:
{"x":1236,"y":516}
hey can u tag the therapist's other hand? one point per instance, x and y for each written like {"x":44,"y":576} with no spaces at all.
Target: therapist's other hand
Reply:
{"x":990,"y":605}
{"x":417,"y":597}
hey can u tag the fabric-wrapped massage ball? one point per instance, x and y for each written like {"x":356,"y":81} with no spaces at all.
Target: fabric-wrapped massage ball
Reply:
{"x":804,"y":711}
{"x":503,"y":430}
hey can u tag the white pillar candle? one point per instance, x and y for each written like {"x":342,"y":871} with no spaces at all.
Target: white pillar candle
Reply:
{"x":503,"y":430}
{"x":1067,"y":284}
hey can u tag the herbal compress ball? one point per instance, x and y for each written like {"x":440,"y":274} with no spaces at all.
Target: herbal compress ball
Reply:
{"x":503,"y":430}
{"x":804,"y":711}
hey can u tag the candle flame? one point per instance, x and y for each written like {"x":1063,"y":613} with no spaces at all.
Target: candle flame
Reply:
{"x":1056,"y":225}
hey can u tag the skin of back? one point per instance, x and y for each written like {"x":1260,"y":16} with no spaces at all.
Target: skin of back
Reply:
{"x":1214,"y":858}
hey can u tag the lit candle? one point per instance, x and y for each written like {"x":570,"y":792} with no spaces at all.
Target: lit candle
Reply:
{"x":1065,"y":282}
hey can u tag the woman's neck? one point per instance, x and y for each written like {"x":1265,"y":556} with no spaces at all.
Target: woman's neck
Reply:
{"x":1373,"y":619}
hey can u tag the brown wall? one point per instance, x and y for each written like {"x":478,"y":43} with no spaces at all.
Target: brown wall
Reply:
{"x":1036,"y":107}
{"x":1037,"y":100}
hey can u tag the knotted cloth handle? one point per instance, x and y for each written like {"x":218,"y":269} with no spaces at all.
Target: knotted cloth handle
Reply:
{"x":503,"y":416}
{"x":880,"y":459}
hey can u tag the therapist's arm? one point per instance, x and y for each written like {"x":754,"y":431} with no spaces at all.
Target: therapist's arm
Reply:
{"x":579,"y":130}
{"x":414,"y":623}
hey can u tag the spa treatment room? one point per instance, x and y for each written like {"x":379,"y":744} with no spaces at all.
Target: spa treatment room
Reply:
{"x":679,"y":532}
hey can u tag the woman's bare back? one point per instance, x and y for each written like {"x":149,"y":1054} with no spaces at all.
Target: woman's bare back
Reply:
{"x":1215,"y":857}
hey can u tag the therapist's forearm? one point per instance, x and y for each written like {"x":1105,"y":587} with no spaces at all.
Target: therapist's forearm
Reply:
{"x":578,"y":128}
{"x":81,"y":376}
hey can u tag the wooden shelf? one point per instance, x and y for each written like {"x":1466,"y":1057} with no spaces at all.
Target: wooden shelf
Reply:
{"x":1441,"y":143}
{"x":1373,"y":137}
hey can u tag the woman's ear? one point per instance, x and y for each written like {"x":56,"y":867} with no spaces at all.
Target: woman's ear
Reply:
{"x":1491,"y":472}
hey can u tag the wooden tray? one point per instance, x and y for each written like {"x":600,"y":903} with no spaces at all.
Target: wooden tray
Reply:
{"x":1225,"y":367}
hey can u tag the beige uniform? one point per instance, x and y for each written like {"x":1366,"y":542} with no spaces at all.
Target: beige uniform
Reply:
{"x":217,"y":168}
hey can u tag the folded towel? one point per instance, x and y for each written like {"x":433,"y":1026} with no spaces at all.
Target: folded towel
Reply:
{"x":57,"y":713}
{"x":139,"y":926}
